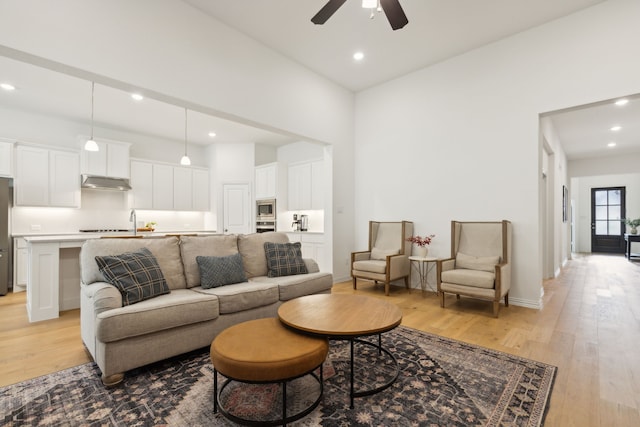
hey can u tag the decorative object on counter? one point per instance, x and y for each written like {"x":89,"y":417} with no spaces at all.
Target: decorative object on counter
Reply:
{"x":151,"y":225}
{"x":420,"y":244}
{"x":91,"y":145}
{"x":633,"y":224}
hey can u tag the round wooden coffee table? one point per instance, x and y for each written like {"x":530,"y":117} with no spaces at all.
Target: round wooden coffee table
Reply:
{"x":344,"y":317}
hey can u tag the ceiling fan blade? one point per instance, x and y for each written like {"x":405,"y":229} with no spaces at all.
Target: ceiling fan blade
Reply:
{"x":394,"y":13}
{"x":326,"y":12}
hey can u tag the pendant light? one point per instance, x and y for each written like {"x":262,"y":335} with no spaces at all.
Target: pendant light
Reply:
{"x":185,"y":161}
{"x":91,"y":145}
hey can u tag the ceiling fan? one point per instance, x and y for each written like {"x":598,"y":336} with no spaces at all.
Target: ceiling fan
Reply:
{"x":391,"y":8}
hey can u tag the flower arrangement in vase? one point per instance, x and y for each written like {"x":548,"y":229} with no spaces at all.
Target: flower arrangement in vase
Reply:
{"x":633,"y":223}
{"x":421,"y":243}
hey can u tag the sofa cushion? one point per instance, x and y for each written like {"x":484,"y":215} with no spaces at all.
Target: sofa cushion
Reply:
{"x":373,"y":265}
{"x":381,"y":254}
{"x":251,"y":246}
{"x":290,"y":287}
{"x":220,"y":270}
{"x":165,"y":249}
{"x":474,"y":278}
{"x":482,"y":263}
{"x":192,"y":246}
{"x":180,"y":307}
{"x":284,"y":259}
{"x":137,"y":275}
{"x":243,"y":296}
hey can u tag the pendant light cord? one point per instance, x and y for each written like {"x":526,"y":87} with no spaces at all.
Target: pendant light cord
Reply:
{"x":185,"y":131}
{"x":92,"y":90}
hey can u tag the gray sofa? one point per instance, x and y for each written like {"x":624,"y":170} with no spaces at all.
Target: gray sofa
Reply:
{"x":121,"y":338}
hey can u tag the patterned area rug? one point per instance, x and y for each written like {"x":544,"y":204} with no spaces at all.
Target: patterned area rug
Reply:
{"x":442,"y":382}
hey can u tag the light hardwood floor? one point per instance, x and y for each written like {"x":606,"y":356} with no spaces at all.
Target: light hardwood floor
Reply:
{"x":589,"y":328}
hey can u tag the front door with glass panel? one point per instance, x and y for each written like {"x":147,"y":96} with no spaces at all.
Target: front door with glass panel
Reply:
{"x":607,"y":212}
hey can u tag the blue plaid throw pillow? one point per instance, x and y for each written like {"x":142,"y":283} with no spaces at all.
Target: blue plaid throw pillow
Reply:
{"x":137,"y":275}
{"x":220,"y":270}
{"x":284,"y":259}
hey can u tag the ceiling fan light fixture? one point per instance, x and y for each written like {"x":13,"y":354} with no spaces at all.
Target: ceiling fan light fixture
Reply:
{"x":185,"y":160}
{"x":91,"y":145}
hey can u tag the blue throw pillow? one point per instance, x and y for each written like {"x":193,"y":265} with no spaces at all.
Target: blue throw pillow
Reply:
{"x":220,"y":270}
{"x":284,"y":259}
{"x":137,"y":275}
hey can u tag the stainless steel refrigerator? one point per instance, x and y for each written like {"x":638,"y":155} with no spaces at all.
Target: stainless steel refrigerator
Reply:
{"x":5,"y":240}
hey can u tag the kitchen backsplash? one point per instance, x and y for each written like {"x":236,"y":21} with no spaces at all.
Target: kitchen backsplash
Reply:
{"x":102,"y":209}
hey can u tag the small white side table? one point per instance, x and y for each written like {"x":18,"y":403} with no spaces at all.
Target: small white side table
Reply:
{"x":423,"y":265}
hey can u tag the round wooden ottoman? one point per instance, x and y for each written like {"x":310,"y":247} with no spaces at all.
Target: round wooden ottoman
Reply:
{"x":264,"y":351}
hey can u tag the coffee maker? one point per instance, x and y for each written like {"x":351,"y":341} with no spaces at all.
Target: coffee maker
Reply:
{"x":304,"y":222}
{"x":297,"y":223}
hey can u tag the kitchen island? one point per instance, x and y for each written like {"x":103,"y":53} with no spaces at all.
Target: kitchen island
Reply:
{"x":53,"y":268}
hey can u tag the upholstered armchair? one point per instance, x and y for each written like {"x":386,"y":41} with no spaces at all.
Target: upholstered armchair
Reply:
{"x":387,"y":258}
{"x":480,"y":263}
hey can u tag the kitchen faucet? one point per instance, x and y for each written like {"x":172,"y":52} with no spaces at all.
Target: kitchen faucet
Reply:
{"x":133,"y":218}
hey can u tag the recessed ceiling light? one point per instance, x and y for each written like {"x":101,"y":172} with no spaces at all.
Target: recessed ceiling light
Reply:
{"x":611,"y":144}
{"x":621,"y":102}
{"x":137,"y":96}
{"x":616,"y":128}
{"x":358,"y":56}
{"x":212,"y":134}
{"x":8,"y":87}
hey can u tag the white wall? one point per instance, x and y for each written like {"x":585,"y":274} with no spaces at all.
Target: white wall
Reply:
{"x":460,"y":140}
{"x":158,"y":45}
{"x":557,"y":242}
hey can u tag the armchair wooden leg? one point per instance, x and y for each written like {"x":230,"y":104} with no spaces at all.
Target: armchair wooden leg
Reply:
{"x":441,"y":299}
{"x":506,"y":300}
{"x":457,"y":296}
{"x":496,"y":308}
{"x":354,"y":283}
{"x":406,"y":283}
{"x":386,"y":288}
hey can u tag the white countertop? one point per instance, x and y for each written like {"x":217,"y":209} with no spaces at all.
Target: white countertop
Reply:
{"x":80,"y":237}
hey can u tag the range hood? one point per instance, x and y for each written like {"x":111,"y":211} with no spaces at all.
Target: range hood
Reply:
{"x":105,"y":183}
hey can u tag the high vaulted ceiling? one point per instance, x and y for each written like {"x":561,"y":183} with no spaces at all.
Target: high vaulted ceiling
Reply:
{"x":437,"y":30}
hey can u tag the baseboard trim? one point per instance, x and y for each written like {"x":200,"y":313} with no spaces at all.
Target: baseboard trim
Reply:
{"x":521,"y":302}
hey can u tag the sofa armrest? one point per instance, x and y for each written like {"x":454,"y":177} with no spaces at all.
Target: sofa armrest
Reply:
{"x":312,"y":265}
{"x":102,"y":296}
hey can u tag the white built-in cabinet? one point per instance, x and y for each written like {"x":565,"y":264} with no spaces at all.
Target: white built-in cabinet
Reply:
{"x":47,"y":177}
{"x":6,"y":158}
{"x":306,"y":185}
{"x":163,"y":186}
{"x":112,"y":160}
{"x":312,"y":245}
{"x":266,"y":176}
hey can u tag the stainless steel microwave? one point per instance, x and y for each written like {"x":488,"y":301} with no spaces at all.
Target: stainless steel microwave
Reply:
{"x":266,"y":209}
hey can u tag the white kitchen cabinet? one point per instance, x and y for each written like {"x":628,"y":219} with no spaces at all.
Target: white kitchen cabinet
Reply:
{"x":47,"y":177}
{"x":200,"y":190}
{"x":162,"y":187}
{"x":266,"y":176}
{"x":166,"y":187}
{"x":6,"y":158}
{"x":142,"y":184}
{"x":299,"y":181}
{"x":32,"y":176}
{"x":182,"y":189}
{"x":20,"y":264}
{"x":112,"y":159}
{"x":64,"y":179}
{"x":306,"y":185}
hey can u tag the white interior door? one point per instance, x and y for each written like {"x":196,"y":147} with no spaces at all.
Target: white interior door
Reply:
{"x":236,"y":209}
